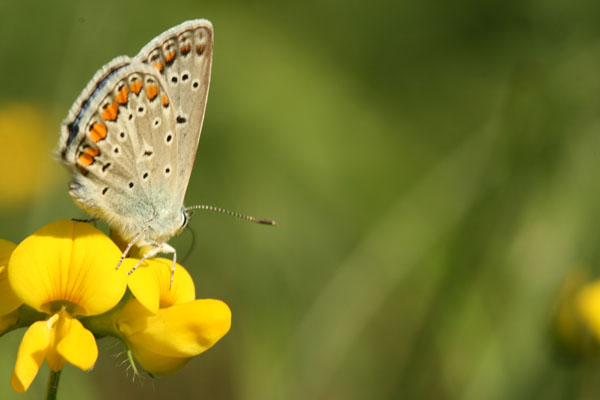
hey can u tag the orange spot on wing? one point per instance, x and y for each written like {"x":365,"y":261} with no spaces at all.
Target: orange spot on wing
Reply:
{"x":110,"y":112}
{"x":159,"y":66}
{"x":98,"y":132}
{"x":151,"y":91}
{"x":185,"y":49}
{"x":165,"y":100}
{"x":122,"y":96}
{"x":92,"y":151}
{"x":169,"y":57}
{"x":86,"y":159}
{"x":136,"y":87}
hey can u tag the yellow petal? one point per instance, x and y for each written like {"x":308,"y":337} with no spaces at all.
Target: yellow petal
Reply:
{"x":30,"y":356}
{"x":78,"y":346}
{"x":8,"y":299}
{"x":181,"y":331}
{"x":59,"y":323}
{"x":150,"y":283}
{"x":67,"y":263}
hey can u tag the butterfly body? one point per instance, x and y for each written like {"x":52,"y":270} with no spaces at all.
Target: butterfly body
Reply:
{"x":130,"y":139}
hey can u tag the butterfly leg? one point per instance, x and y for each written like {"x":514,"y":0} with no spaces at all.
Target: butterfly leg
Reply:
{"x":130,"y":245}
{"x":160,"y":248}
{"x":173,"y":268}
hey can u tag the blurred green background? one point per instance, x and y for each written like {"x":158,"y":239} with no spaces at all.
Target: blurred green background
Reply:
{"x":433,"y":167}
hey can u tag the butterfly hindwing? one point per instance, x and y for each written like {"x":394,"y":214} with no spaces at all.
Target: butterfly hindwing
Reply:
{"x":183,"y":56}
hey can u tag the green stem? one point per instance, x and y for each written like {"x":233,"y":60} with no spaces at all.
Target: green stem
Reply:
{"x":53,"y":380}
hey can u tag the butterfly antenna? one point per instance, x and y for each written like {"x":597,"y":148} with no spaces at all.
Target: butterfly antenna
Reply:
{"x":232,"y":213}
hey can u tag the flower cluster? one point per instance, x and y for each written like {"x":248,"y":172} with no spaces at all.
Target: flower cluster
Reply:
{"x":61,"y":283}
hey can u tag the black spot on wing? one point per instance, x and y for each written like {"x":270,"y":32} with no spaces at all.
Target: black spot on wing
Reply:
{"x":73,"y":129}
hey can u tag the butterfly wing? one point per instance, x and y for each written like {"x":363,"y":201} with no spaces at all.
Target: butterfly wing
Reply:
{"x":119,"y":141}
{"x":182,"y":55}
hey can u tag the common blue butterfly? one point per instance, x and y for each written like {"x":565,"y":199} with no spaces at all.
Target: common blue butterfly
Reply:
{"x":130,"y":139}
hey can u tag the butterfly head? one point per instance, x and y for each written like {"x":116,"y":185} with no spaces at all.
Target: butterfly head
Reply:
{"x":186,"y":218}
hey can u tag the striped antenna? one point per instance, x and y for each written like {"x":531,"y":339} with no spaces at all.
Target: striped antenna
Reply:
{"x":232,"y":213}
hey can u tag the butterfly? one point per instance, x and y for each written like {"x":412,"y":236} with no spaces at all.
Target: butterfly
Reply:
{"x":130,"y":138}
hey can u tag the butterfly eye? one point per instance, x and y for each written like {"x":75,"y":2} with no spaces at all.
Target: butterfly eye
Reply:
{"x":185,"y":220}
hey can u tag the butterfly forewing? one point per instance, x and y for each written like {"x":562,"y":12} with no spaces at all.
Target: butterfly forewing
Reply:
{"x":183,"y":56}
{"x":124,"y":156}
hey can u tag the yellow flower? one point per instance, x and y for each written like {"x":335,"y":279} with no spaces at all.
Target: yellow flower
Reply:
{"x":66,"y":270}
{"x":150,"y":283}
{"x":164,"y":328}
{"x":9,"y":302}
